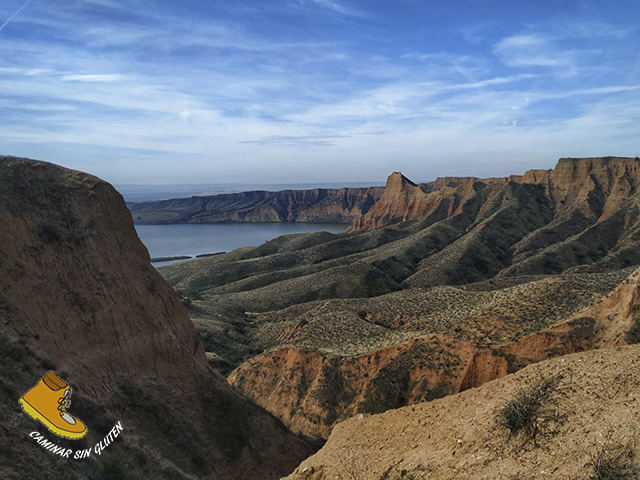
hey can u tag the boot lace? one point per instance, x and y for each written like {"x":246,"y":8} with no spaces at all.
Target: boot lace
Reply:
{"x":64,"y":402}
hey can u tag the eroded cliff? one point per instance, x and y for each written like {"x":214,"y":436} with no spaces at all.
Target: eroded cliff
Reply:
{"x":586,"y":425}
{"x":501,"y":270}
{"x":78,"y":295}
{"x":593,"y":187}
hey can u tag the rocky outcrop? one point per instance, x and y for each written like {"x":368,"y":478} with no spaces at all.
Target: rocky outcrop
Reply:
{"x":312,"y":391}
{"x":596,"y":187}
{"x":305,"y":206}
{"x":593,"y":187}
{"x":79,"y":295}
{"x":404,"y":200}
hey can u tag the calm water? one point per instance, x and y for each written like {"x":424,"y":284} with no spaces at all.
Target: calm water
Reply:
{"x":192,"y":240}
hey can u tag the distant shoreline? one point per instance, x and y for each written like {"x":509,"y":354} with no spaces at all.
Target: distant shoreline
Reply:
{"x":169,"y":259}
{"x":184,"y":257}
{"x":186,"y":242}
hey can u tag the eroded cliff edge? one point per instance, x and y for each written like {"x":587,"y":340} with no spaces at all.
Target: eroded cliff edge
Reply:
{"x":591,"y":428}
{"x":79,"y":296}
{"x":593,"y":187}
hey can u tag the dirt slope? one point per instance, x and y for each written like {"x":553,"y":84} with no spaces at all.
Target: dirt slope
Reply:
{"x":596,"y":403}
{"x":70,"y":255}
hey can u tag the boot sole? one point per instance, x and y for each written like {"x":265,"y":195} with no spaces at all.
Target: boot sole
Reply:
{"x":33,"y":413}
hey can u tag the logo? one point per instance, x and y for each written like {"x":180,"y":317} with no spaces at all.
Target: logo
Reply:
{"x":47,"y":403}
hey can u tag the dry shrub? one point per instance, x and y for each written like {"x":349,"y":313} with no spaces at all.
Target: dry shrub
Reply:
{"x":531,"y":411}
{"x":614,"y":460}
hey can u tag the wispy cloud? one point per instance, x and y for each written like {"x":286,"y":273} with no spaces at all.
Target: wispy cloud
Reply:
{"x":14,"y":15}
{"x":476,"y":33}
{"x":297,"y":141}
{"x":338,"y":7}
{"x":592,"y":28}
{"x":532,"y":50}
{"x":240,"y":89}
{"x":111,"y":77}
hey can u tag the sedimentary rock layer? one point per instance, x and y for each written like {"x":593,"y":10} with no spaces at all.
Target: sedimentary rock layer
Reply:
{"x":305,"y":206}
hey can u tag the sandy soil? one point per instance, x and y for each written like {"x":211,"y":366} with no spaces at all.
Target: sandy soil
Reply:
{"x":595,"y":405}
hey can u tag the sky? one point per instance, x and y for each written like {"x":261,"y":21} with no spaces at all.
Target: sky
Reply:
{"x":282,"y":91}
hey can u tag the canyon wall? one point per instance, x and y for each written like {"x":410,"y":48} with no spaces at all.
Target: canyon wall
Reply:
{"x":79,"y":296}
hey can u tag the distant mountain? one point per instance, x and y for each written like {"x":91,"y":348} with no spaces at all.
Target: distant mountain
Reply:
{"x":313,"y":206}
{"x":148,"y":193}
{"x":438,"y":288}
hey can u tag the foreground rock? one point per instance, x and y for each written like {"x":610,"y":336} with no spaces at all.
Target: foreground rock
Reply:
{"x":79,"y":296}
{"x":590,"y":412}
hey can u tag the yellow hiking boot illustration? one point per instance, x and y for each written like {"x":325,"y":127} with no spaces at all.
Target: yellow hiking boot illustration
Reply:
{"x":48,"y":401}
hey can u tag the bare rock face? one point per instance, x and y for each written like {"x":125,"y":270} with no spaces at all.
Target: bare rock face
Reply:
{"x":76,"y":276}
{"x":311,"y":391}
{"x":595,"y":187}
{"x":404,"y":200}
{"x":79,"y":295}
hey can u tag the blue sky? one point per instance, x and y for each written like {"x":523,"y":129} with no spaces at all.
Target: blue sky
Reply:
{"x":317,"y":90}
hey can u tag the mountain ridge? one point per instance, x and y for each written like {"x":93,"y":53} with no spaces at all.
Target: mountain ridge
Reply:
{"x":318,"y":205}
{"x":592,"y":186}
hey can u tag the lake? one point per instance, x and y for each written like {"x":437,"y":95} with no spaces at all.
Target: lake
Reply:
{"x":191,"y":240}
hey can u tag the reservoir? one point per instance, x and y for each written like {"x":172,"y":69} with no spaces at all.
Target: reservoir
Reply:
{"x":198,"y":239}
